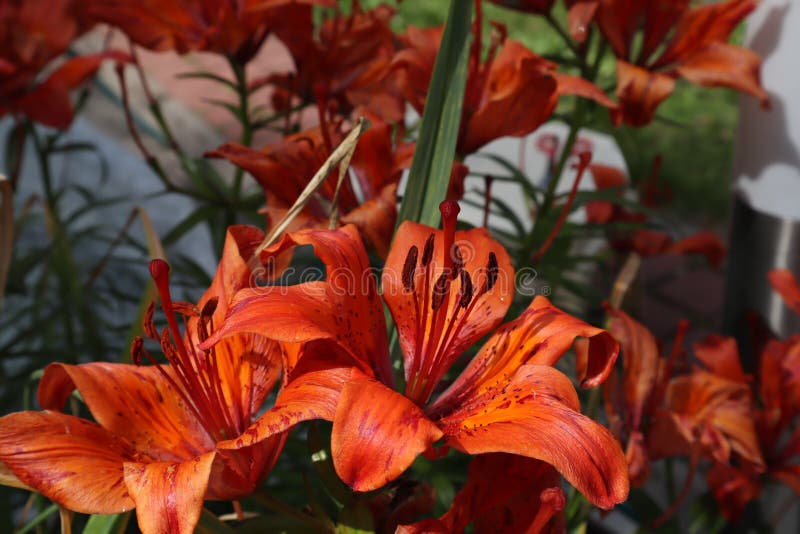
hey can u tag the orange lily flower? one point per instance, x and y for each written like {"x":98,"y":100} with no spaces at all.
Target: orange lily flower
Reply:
{"x":706,"y":412}
{"x":504,"y":508}
{"x":709,"y":410}
{"x":234,"y":28}
{"x":645,"y":242}
{"x":696,"y":51}
{"x":376,"y":163}
{"x":511,"y":93}
{"x":32,"y":34}
{"x":734,"y":486}
{"x":154,"y":443}
{"x":348,"y":60}
{"x":445,"y":289}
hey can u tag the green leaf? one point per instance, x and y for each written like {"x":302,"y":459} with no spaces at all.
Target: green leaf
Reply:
{"x":210,"y":524}
{"x":355,"y":519}
{"x":433,"y":157}
{"x":107,"y":524}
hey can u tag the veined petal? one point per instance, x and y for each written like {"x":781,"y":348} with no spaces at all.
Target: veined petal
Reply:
{"x":579,"y":16}
{"x":135,"y":403}
{"x":169,"y":495}
{"x":720,"y":355}
{"x":519,"y":96}
{"x":724,"y":65}
{"x":639,"y":93}
{"x":312,"y":393}
{"x":70,"y":460}
{"x":527,"y":499}
{"x":784,"y":282}
{"x":641,"y":364}
{"x":49,"y":103}
{"x":375,"y":218}
{"x":432,"y":339}
{"x":702,"y":26}
{"x":575,"y":85}
{"x":344,"y":309}
{"x":377,"y":434}
{"x":535,"y":414}
{"x":704,"y":243}
{"x":541,"y":335}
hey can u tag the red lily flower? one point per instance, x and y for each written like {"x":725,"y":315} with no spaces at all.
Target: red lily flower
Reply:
{"x":734,"y":486}
{"x":706,"y":412}
{"x":376,"y":163}
{"x":645,"y":242}
{"x":348,"y":60}
{"x":233,"y":28}
{"x":506,"y":508}
{"x":32,"y":34}
{"x":697,"y":50}
{"x":511,"y":93}
{"x":446,"y":289}
{"x":154,"y":443}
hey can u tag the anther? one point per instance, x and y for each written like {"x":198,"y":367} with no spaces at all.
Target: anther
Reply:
{"x":491,"y":271}
{"x":209,"y":307}
{"x":148,"y":325}
{"x":466,"y":291}
{"x":409,"y":267}
{"x":427,"y":252}
{"x":458,"y":261}
{"x":440,"y":290}
{"x":137,"y":347}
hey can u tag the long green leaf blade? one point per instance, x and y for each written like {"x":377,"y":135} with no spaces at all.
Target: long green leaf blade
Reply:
{"x":433,"y":158}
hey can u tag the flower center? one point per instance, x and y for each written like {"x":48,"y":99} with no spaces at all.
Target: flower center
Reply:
{"x":441,"y":312}
{"x":194,"y":375}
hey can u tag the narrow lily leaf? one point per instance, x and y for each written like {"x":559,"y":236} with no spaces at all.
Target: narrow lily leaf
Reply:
{"x":433,"y":158}
{"x":6,"y":231}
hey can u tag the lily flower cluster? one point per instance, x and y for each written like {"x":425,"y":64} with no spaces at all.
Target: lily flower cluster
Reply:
{"x":419,"y":360}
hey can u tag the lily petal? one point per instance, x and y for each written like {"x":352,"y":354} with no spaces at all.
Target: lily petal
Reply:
{"x":720,"y":355}
{"x":169,"y":495}
{"x":312,"y":394}
{"x":377,"y":434}
{"x":639,"y":93}
{"x":70,"y":460}
{"x":344,"y":309}
{"x":536,"y":415}
{"x":135,"y":403}
{"x":724,"y":65}
{"x":526,"y":501}
{"x":541,"y":335}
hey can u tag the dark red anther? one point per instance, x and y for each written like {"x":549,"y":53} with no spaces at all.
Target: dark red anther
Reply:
{"x":440,"y":290}
{"x":137,"y":348}
{"x":409,"y":267}
{"x":148,"y":325}
{"x":427,"y":252}
{"x":458,"y":262}
{"x":492,"y":270}
{"x":466,"y":291}
{"x":209,"y":307}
